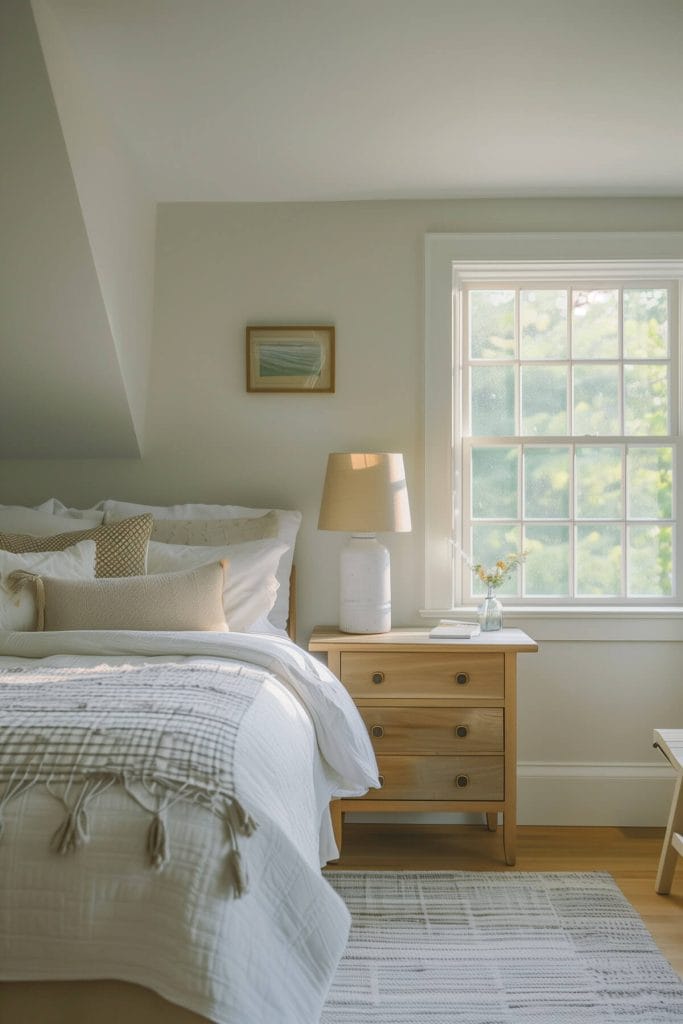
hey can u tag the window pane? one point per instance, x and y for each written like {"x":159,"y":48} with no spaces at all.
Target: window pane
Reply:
{"x":595,"y":324}
{"x":645,"y":323}
{"x":646,"y":399}
{"x":598,"y":561}
{"x":598,"y":483}
{"x":492,"y":324}
{"x":547,"y":566}
{"x":489,"y":543}
{"x":493,"y":401}
{"x":494,"y":483}
{"x":546,"y":483}
{"x":650,"y":561}
{"x":650,"y":483}
{"x":543,"y":319}
{"x":596,"y":400}
{"x":544,"y":400}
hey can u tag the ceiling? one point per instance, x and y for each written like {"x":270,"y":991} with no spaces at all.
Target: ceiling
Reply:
{"x":264,"y":100}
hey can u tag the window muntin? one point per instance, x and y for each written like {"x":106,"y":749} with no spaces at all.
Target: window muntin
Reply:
{"x":567,"y":437}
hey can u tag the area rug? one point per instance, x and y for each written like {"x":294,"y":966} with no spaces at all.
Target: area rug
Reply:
{"x":497,"y":948}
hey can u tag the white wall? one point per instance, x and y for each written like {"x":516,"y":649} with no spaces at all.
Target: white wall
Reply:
{"x":119,"y":215}
{"x":586,"y":709}
{"x":61,"y":387}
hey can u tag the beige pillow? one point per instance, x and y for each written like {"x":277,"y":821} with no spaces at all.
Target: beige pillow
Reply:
{"x":121,"y":547}
{"x":189,"y":600}
{"x":214,"y":532}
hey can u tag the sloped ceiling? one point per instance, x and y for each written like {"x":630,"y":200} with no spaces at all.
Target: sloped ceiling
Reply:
{"x":62,"y":386}
{"x":307,"y":100}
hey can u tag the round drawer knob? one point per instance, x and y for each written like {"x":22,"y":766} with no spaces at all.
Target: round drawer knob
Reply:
{"x":462,"y":780}
{"x":462,"y":678}
{"x":377,"y":730}
{"x":381,"y":780}
{"x":461,"y":731}
{"x":378,"y":677}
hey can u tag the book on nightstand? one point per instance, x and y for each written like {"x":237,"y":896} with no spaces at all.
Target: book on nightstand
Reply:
{"x":451,"y":629}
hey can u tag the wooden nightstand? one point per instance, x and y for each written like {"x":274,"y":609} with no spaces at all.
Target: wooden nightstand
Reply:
{"x":442,"y":718}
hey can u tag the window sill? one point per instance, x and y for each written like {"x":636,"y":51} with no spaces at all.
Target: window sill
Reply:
{"x":584,"y":623}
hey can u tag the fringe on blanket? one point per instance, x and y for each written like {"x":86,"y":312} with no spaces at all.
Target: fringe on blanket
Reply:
{"x":155,"y":797}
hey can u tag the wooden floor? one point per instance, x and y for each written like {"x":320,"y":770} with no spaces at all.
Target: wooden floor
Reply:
{"x":629,"y":854}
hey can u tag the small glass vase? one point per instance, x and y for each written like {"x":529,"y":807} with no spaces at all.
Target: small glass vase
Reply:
{"x":490,"y":612}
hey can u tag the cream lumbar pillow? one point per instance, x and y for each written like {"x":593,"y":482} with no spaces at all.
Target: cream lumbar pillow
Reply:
{"x":190,"y":600}
{"x":250,"y":587}
{"x":121,"y":547}
{"x":17,"y":604}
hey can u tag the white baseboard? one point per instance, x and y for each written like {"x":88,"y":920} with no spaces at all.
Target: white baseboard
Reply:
{"x":575,"y":794}
{"x":594,"y":794}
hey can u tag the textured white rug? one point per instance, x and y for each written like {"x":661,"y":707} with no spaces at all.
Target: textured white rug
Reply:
{"x":489,"y":948}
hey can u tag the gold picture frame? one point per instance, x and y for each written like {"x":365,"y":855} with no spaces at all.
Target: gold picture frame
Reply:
{"x":295,"y":360}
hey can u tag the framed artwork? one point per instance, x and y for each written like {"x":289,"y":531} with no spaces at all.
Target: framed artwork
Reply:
{"x":296,"y":359}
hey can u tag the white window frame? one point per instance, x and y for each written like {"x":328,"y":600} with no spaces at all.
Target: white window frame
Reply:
{"x":451,"y":259}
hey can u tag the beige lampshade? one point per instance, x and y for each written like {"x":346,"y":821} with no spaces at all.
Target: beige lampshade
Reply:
{"x":365,"y":492}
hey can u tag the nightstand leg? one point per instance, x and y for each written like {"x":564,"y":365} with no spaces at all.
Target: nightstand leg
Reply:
{"x":509,"y":839}
{"x":337,"y":822}
{"x":492,"y":821}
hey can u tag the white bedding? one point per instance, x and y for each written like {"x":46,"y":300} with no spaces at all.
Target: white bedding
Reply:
{"x":102,"y":913}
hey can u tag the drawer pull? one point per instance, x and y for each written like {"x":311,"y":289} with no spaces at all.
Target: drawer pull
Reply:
{"x":381,"y":780}
{"x":462,"y":780}
{"x":378,"y":677}
{"x":377,"y":730}
{"x":461,"y":731}
{"x":462,"y":678}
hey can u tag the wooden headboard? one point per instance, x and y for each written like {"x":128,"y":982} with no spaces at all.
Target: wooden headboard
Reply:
{"x":291,"y":617}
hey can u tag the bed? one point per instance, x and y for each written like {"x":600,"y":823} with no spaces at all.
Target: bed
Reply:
{"x":144,"y":916}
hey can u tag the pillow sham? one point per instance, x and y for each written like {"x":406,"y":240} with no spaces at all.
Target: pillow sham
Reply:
{"x":178,"y":601}
{"x":121,"y":547}
{"x":213,"y":532}
{"x":288,"y":523}
{"x":250,"y":585}
{"x":17,"y":519}
{"x":57,"y":508}
{"x":17,"y":604}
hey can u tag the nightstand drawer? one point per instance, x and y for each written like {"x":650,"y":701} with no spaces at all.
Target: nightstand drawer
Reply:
{"x":434,"y":731}
{"x":440,"y":778}
{"x":423,"y":675}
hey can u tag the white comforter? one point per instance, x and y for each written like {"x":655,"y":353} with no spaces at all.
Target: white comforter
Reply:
{"x":102,"y":913}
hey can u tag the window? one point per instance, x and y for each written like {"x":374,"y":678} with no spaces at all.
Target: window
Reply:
{"x":552,"y":419}
{"x":566,"y":436}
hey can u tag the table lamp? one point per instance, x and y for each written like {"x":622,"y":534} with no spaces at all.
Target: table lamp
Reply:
{"x":364,"y":494}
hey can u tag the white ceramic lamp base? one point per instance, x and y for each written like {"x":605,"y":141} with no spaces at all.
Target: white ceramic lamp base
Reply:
{"x":364,"y":586}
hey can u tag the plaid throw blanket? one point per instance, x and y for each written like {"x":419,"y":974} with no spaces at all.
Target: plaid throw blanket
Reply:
{"x":165,"y":732}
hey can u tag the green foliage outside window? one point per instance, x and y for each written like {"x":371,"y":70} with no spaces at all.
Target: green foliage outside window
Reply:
{"x":551,"y":369}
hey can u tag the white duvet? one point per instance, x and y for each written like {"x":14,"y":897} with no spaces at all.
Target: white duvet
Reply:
{"x":267,"y":958}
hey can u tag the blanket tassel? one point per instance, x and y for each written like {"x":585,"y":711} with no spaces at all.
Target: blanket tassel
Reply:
{"x":236,"y":875}
{"x":72,"y":833}
{"x":74,"y":830}
{"x":157,"y":842}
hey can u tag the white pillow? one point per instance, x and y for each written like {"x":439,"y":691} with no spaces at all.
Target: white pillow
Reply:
{"x":18,"y":609}
{"x":250,"y":583}
{"x":39,"y":523}
{"x":56,"y":508}
{"x":288,"y":523}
